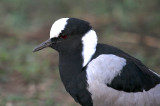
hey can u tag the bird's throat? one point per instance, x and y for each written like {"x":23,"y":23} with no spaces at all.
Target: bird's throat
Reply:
{"x":70,"y":66}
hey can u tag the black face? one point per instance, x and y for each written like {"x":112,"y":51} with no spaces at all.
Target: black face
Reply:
{"x":70,"y":38}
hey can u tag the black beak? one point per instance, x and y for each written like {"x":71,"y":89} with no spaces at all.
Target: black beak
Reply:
{"x":43,"y":45}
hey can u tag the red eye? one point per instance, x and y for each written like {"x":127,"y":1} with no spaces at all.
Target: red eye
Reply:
{"x":64,"y":36}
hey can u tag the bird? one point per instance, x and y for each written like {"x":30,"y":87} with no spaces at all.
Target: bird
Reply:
{"x":97,"y":74}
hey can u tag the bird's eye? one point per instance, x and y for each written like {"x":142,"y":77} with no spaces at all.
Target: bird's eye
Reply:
{"x":64,"y":36}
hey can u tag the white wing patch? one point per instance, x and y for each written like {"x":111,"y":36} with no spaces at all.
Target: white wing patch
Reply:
{"x":89,"y":41}
{"x":104,"y":68}
{"x":57,"y":27}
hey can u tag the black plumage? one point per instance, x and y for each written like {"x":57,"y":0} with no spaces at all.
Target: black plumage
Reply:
{"x":133,"y":78}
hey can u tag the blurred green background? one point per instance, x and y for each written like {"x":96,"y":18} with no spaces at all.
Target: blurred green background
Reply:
{"x":32,"y":79}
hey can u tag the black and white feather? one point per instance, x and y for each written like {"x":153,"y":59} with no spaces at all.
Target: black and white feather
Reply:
{"x":98,"y":74}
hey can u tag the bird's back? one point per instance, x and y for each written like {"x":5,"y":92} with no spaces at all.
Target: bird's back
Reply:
{"x":116,"y":78}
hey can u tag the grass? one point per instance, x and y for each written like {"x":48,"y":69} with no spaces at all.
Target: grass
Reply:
{"x":28,"y":78}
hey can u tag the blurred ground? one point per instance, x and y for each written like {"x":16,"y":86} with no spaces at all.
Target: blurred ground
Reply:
{"x":32,"y":79}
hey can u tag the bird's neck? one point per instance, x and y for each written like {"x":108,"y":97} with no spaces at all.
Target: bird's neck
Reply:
{"x":70,"y":66}
{"x":89,"y":44}
{"x":71,"y":63}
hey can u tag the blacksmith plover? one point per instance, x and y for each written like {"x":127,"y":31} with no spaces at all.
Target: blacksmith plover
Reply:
{"x":98,"y":74}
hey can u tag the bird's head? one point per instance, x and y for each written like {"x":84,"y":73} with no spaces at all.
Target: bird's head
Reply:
{"x":69,"y":34}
